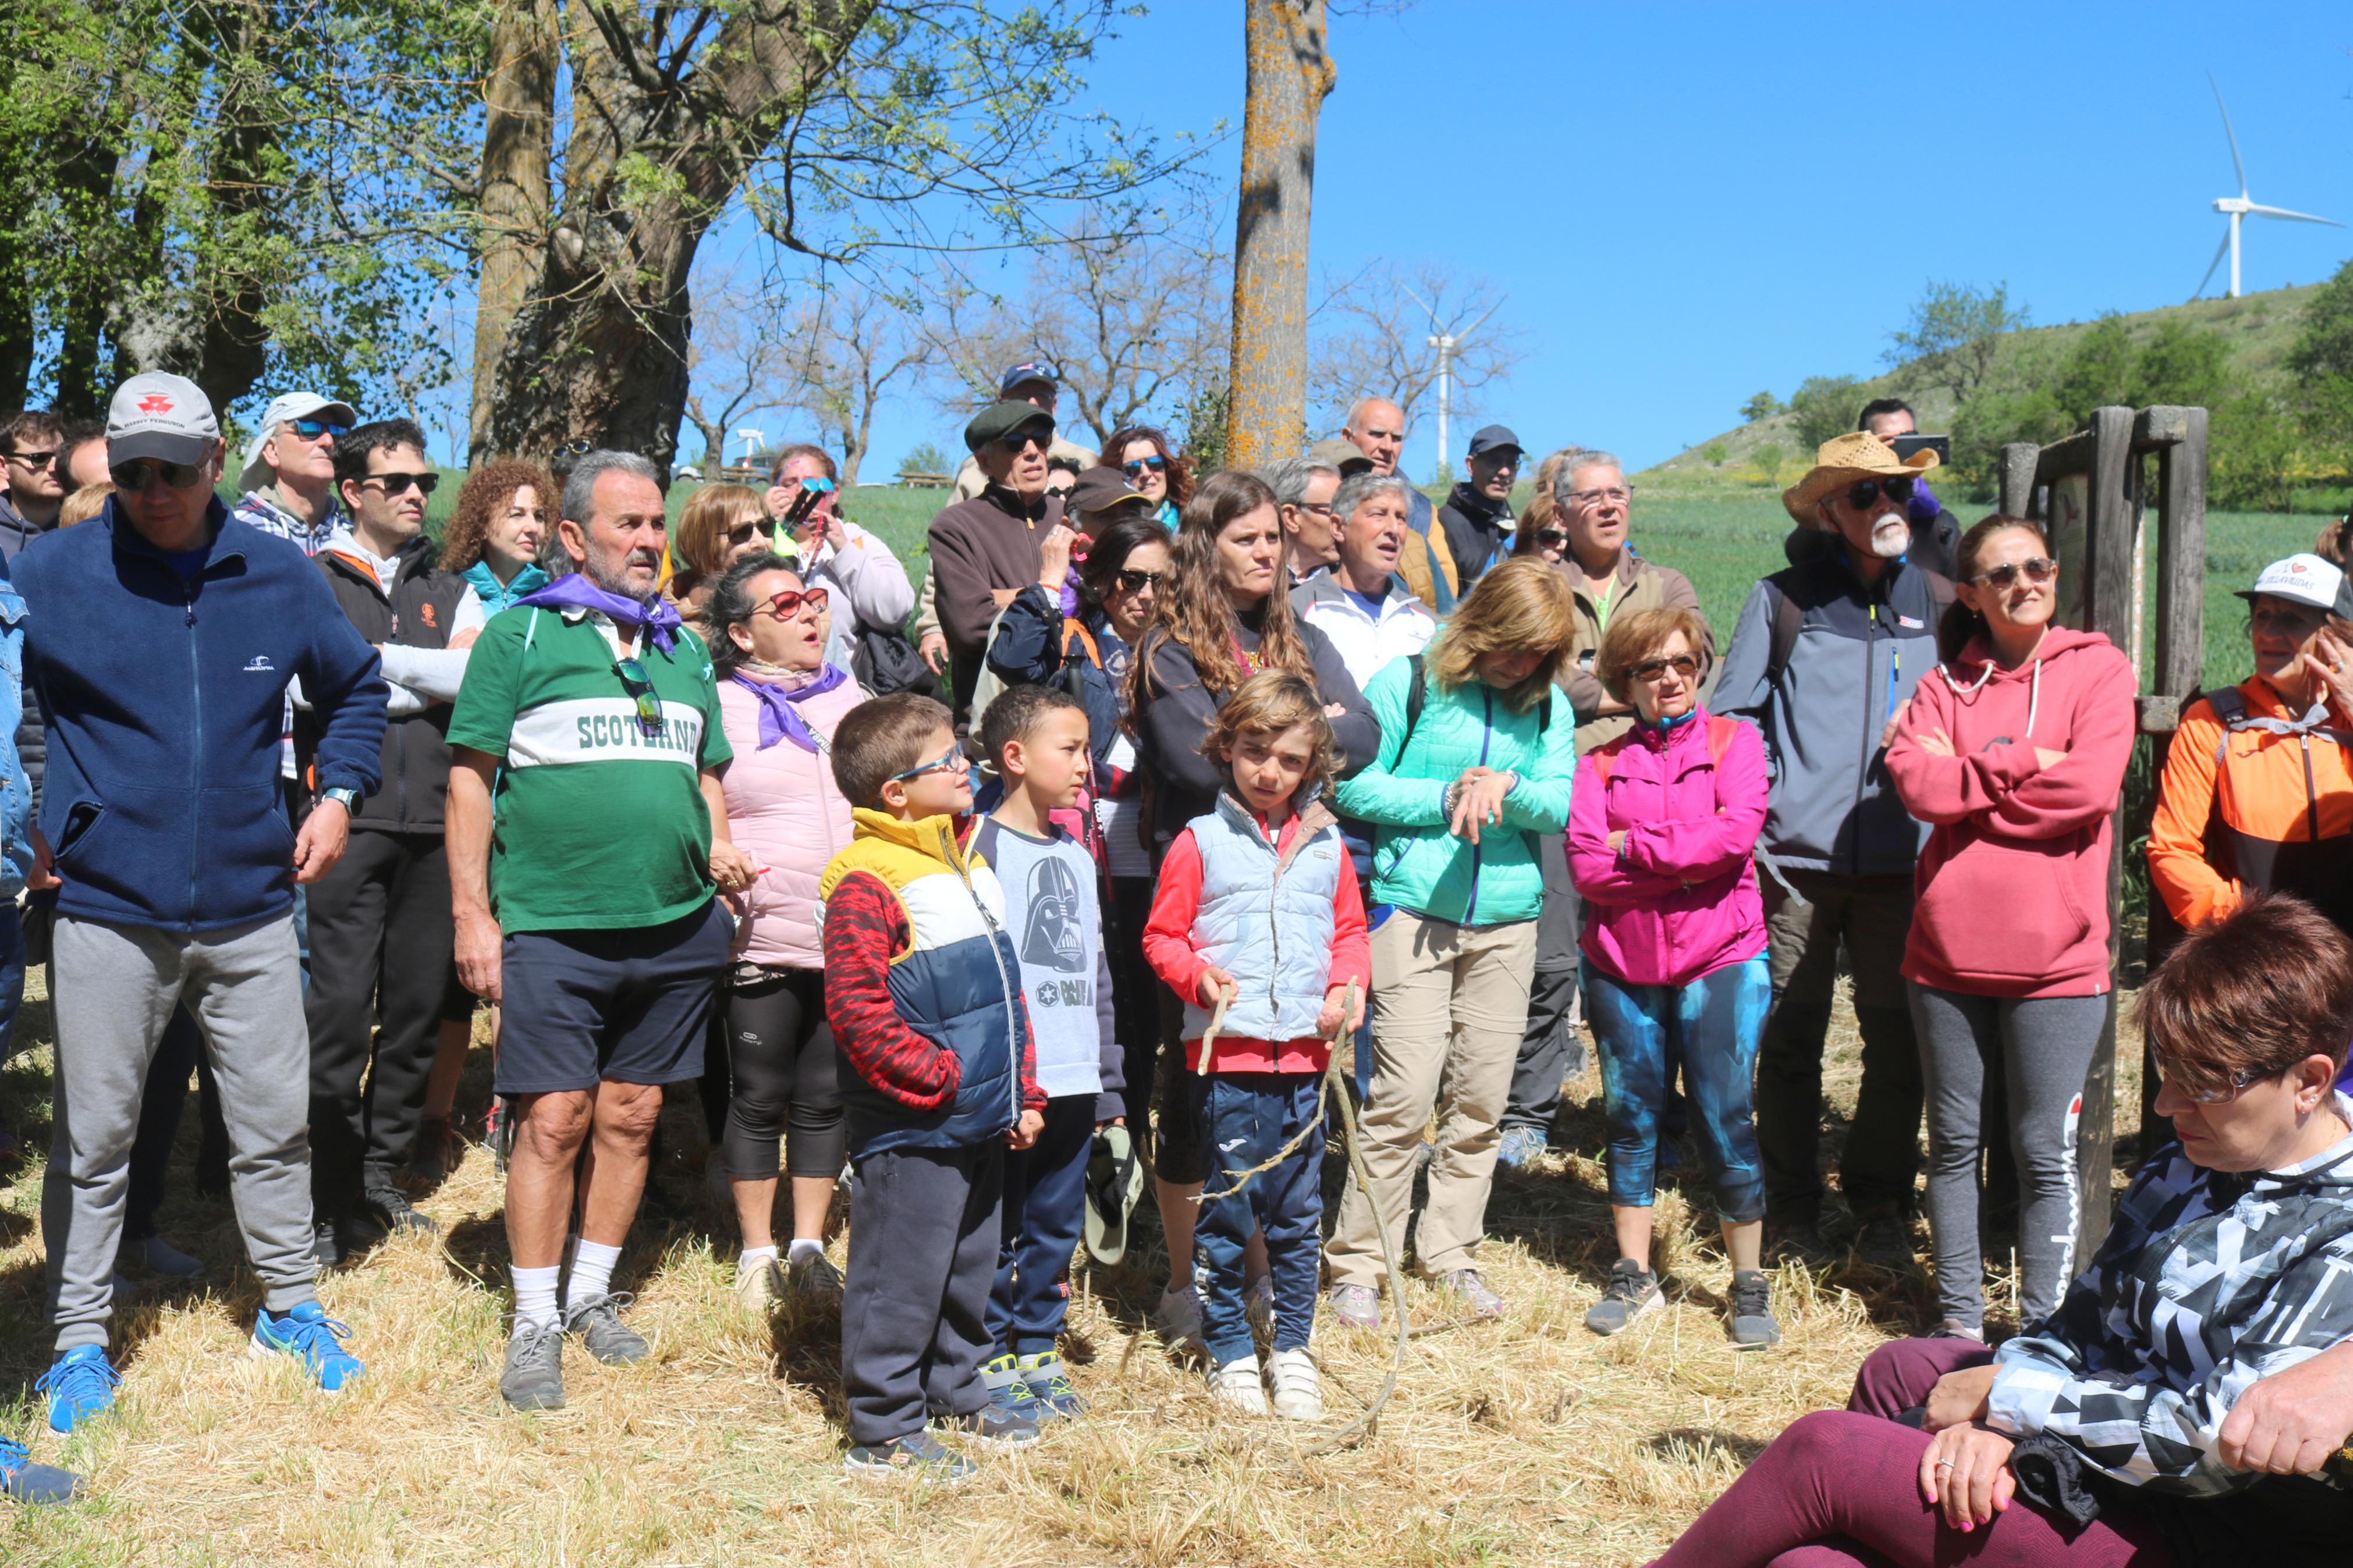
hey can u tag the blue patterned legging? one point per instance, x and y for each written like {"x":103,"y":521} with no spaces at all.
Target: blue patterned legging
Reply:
{"x":1713,"y":1023}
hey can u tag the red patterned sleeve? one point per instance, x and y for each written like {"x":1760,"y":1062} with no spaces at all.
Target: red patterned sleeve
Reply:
{"x":865,"y":925}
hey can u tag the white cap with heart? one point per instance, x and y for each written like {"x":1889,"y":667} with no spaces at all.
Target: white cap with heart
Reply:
{"x":2301,"y":580}
{"x":157,"y":414}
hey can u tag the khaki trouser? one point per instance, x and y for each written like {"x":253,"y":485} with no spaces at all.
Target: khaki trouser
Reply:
{"x":1451,"y":1002}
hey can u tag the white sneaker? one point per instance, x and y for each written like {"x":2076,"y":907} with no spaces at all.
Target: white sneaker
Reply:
{"x":1236,"y":1386}
{"x":759,"y":1287}
{"x":1258,"y":1305}
{"x":1298,"y":1391}
{"x":1178,"y":1317}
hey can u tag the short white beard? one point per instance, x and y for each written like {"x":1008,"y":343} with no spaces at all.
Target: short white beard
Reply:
{"x":1891,"y":536}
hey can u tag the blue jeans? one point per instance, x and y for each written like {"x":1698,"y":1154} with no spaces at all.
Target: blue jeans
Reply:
{"x":1244,"y":1118}
{"x":1713,"y":1023}
{"x":1045,"y":1214}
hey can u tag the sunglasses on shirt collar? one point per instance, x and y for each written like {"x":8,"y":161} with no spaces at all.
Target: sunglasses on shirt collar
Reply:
{"x":640,"y":687}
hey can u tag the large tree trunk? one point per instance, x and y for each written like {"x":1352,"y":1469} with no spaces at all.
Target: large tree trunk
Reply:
{"x":1289,"y":77}
{"x":518,"y":139}
{"x":598,"y":349}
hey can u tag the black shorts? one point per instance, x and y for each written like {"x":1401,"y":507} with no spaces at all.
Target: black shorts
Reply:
{"x":629,"y":1006}
{"x":457,"y":1003}
{"x":1180,"y":1148}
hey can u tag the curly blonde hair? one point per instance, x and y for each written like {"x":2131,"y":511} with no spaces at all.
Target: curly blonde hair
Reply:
{"x":1522,"y":604}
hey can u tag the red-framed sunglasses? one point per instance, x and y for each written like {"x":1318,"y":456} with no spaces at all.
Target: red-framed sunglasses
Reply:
{"x":787,"y":605}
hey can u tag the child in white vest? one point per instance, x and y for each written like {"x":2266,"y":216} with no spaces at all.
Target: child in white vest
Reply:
{"x":1259,"y":904}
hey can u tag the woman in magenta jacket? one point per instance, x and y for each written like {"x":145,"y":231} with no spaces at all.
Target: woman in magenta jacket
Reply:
{"x":1662,"y":825}
{"x":2014,"y":749}
{"x":770,"y":1061}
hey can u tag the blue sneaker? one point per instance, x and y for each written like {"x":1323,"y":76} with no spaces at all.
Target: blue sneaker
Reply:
{"x":80,"y":1384}
{"x":1008,"y":1390}
{"x":1519,"y":1147}
{"x":1050,"y":1387}
{"x":29,"y":1482}
{"x":307,"y":1332}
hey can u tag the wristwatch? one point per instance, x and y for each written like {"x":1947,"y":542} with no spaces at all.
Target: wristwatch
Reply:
{"x":344,"y":796}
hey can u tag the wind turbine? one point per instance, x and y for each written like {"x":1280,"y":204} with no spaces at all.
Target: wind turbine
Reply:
{"x":2240,"y":206}
{"x":1446,"y":343}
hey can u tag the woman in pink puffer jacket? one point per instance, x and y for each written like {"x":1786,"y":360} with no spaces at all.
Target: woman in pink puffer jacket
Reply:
{"x":771,"y":1061}
{"x":1662,"y":825}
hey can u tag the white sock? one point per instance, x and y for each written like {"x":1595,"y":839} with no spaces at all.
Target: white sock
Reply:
{"x":535,"y":1292}
{"x":803,"y":1249}
{"x":752,"y":1258}
{"x":592,"y":1272}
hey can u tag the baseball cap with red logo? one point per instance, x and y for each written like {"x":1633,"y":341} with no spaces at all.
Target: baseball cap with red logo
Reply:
{"x":2304,"y":579}
{"x":156,"y":415}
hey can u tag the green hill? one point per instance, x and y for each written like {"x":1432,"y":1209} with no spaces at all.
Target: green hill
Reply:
{"x":2255,"y":330}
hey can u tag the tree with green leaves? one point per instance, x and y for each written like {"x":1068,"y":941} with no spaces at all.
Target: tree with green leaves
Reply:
{"x":2322,"y":364}
{"x":1824,"y":406}
{"x":1955,"y":333}
{"x":1763,"y":406}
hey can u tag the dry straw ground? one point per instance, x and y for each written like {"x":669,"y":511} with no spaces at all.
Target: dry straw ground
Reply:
{"x":1526,"y":1441}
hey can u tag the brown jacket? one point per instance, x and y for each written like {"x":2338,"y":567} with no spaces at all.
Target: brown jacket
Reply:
{"x":1639,"y":585}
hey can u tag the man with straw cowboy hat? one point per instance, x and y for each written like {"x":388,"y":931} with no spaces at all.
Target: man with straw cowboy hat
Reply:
{"x":1826,"y":653}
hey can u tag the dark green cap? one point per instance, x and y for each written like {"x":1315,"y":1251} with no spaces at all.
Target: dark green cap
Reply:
{"x":998,"y":420}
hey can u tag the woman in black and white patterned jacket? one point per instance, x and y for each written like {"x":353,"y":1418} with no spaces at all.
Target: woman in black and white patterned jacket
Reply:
{"x":2103,"y":1434}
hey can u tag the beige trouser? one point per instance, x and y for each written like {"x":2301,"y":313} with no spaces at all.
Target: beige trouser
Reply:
{"x":1451,"y":1003}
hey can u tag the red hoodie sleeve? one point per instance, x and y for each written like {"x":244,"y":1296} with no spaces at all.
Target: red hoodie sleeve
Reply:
{"x":1940,"y":790}
{"x":1169,"y":934}
{"x":1033,"y":1093}
{"x":1702,"y":850}
{"x":2082,"y":787}
{"x":865,"y":926}
{"x":1352,"y":941}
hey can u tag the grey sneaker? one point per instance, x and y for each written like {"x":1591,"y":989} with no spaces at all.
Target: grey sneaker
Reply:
{"x":1465,"y":1283}
{"x":1355,"y":1306}
{"x":919,"y":1457}
{"x":533,"y":1376}
{"x":1631,"y":1294}
{"x":814,"y":1275}
{"x":1958,"y":1329}
{"x":598,"y":1321}
{"x":1753,"y":1327}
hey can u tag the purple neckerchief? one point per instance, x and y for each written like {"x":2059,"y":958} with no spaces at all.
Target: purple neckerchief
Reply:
{"x":573,"y":591}
{"x":1069,"y":595}
{"x":1925,"y":505}
{"x":778,"y":718}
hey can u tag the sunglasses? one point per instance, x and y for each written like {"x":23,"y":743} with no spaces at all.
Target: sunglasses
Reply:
{"x":1137,"y":467}
{"x":744,"y":534}
{"x":1683,"y":664}
{"x":397,"y":484}
{"x":948,"y":762}
{"x":135,"y":475}
{"x":311,"y":430}
{"x":787,"y":605}
{"x":35,"y":460}
{"x":1133,"y":582}
{"x":640,"y":687}
{"x":1862,"y":493}
{"x":1551,"y":538}
{"x":2036,"y":569}
{"x":2300,"y":620}
{"x":1019,"y":444}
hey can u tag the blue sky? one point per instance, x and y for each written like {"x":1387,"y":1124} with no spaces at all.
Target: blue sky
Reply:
{"x":1686,"y":204}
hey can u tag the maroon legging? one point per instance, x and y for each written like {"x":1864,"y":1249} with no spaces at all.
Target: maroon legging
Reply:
{"x":1841,"y":1489}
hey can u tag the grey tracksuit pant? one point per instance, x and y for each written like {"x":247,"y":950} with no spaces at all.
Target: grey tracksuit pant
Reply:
{"x":113,"y":988}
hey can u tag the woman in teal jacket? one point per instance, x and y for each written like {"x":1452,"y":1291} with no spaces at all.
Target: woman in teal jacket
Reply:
{"x":1476,"y":755}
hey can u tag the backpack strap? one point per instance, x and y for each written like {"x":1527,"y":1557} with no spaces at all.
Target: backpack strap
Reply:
{"x":1789,"y":617}
{"x":1416,"y":694}
{"x":1720,"y":729}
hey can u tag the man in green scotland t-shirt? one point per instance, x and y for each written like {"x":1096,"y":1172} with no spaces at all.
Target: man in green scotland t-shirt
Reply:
{"x":585,"y":901}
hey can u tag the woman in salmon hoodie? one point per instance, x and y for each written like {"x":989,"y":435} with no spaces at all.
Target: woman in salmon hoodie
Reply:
{"x":771,"y":1061}
{"x":2013,"y":750}
{"x":1662,"y":825}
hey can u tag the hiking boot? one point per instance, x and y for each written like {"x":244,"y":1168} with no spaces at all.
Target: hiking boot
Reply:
{"x":80,"y":1384}
{"x":1519,"y":1147}
{"x":1753,"y":1327}
{"x":1465,"y":1283}
{"x":1048,"y":1382}
{"x":813,"y":1274}
{"x":310,"y":1336}
{"x":533,"y":1378}
{"x":920,"y":1458}
{"x":992,"y":1425}
{"x":759,"y":1286}
{"x":389,"y":1205}
{"x":1178,"y":1318}
{"x":28,"y":1482}
{"x":1355,"y":1306}
{"x":1008,"y":1390}
{"x":1631,"y":1294}
{"x":598,"y":1321}
{"x":1236,"y":1386}
{"x":1886,"y":1240}
{"x":1298,"y":1389}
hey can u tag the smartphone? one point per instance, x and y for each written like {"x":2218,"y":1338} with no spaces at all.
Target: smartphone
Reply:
{"x":1941,"y":444}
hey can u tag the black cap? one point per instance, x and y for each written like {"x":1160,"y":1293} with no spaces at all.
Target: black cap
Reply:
{"x":1494,"y":438}
{"x":998,"y":420}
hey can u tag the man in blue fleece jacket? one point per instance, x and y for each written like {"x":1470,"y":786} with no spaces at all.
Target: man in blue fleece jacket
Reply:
{"x":160,"y":640}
